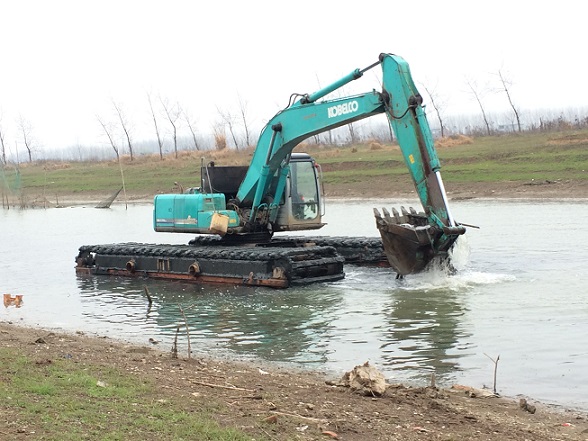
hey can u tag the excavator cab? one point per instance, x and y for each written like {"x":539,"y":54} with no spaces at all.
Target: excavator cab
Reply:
{"x":300,"y":207}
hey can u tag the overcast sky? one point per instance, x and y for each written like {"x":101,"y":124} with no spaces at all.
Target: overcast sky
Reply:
{"x":64,"y":62}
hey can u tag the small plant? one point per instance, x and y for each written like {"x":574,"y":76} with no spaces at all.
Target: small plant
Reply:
{"x":495,"y":361}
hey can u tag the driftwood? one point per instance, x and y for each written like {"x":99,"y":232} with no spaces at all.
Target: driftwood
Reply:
{"x":201,"y":383}
{"x":295,"y":415}
{"x":106,"y":203}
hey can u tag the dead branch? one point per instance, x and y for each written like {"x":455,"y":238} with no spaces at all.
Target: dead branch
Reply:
{"x":175,"y":346}
{"x":201,"y":383}
{"x":149,"y":299}
{"x":295,"y":415}
{"x":495,"y":370}
{"x":187,"y":332}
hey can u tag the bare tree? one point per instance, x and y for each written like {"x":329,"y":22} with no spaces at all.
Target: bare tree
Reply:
{"x":329,"y":134}
{"x":117,"y":152}
{"x":27,"y":130}
{"x":437,"y":107}
{"x":506,"y":83}
{"x":478,"y":96}
{"x":391,"y":132}
{"x":190,"y":124}
{"x":159,"y":139}
{"x":2,"y":144}
{"x":125,"y":126}
{"x":172,"y":113}
{"x":243,"y":111}
{"x":229,"y":121}
{"x":109,"y":134}
{"x":352,"y":134}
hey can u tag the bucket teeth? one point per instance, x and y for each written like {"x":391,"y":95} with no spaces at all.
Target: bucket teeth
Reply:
{"x":403,"y":210}
{"x":412,"y":210}
{"x":377,"y":214}
{"x":396,"y":215}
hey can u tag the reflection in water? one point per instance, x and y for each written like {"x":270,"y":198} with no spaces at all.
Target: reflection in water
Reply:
{"x":520,"y":296}
{"x":10,"y":300}
{"x":423,"y":331}
{"x":416,"y":322}
{"x":280,"y":325}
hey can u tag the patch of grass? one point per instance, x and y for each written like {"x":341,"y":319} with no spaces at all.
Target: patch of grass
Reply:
{"x":62,"y":400}
{"x":514,"y":157}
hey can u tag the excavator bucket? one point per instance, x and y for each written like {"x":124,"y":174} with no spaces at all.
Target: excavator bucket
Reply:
{"x":411,"y":243}
{"x":413,"y":240}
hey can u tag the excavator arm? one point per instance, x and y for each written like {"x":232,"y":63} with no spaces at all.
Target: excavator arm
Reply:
{"x":425,"y":236}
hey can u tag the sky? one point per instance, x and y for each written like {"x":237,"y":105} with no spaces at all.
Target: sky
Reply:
{"x":64,"y":63}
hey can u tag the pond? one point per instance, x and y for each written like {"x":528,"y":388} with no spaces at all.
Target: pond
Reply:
{"x":519,"y":294}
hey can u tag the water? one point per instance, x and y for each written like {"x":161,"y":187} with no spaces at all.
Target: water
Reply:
{"x":520,"y":294}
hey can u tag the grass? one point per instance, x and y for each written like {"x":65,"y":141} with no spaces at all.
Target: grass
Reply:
{"x":515,"y":157}
{"x":62,"y":400}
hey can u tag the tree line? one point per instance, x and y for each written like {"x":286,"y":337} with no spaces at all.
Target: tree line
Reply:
{"x":173,"y":128}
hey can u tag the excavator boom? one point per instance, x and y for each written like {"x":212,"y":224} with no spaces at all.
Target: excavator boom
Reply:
{"x":402,"y":103}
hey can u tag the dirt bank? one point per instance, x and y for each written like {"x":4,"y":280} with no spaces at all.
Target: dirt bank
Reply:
{"x":561,"y":189}
{"x":472,"y":190}
{"x":282,"y":404}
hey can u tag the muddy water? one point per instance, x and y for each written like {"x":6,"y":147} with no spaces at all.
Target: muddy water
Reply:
{"x":520,"y":294}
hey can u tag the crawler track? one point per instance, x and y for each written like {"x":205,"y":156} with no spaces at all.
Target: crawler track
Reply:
{"x":279,"y":263}
{"x":278,"y":267}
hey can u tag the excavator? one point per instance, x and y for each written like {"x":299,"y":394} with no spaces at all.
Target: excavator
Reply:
{"x":236,"y":210}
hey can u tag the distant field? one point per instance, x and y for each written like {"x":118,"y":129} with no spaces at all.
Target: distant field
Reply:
{"x":515,"y":158}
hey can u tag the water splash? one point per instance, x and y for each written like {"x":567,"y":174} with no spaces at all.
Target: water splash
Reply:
{"x":459,"y":276}
{"x":460,"y":253}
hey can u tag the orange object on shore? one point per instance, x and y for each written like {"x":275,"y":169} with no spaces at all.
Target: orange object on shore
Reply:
{"x":10,"y":300}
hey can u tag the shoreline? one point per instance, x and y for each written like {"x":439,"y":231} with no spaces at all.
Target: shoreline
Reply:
{"x":297,"y":398}
{"x":406,"y":412}
{"x":569,"y":190}
{"x":92,"y":200}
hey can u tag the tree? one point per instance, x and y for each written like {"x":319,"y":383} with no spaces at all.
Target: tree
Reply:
{"x":352,"y":134}
{"x":125,"y":126}
{"x":243,"y":111}
{"x":478,"y":96}
{"x":27,"y":130}
{"x":432,"y":94}
{"x":2,"y":144}
{"x":108,"y":132}
{"x":229,"y":121}
{"x":172,"y":113}
{"x":329,"y":134}
{"x":159,"y":140}
{"x":506,"y":83}
{"x":116,"y":151}
{"x":190,"y":124}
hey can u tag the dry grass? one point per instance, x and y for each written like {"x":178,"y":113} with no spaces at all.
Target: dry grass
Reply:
{"x":454,"y":140}
{"x":573,"y":139}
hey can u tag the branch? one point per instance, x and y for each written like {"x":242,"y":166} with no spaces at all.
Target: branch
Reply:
{"x":295,"y":415}
{"x":201,"y":383}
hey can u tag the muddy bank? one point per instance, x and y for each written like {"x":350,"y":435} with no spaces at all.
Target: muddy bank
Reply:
{"x":545,"y":189}
{"x":277,"y":403}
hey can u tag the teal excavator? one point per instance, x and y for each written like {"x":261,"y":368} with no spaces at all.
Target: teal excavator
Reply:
{"x":238,"y":209}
